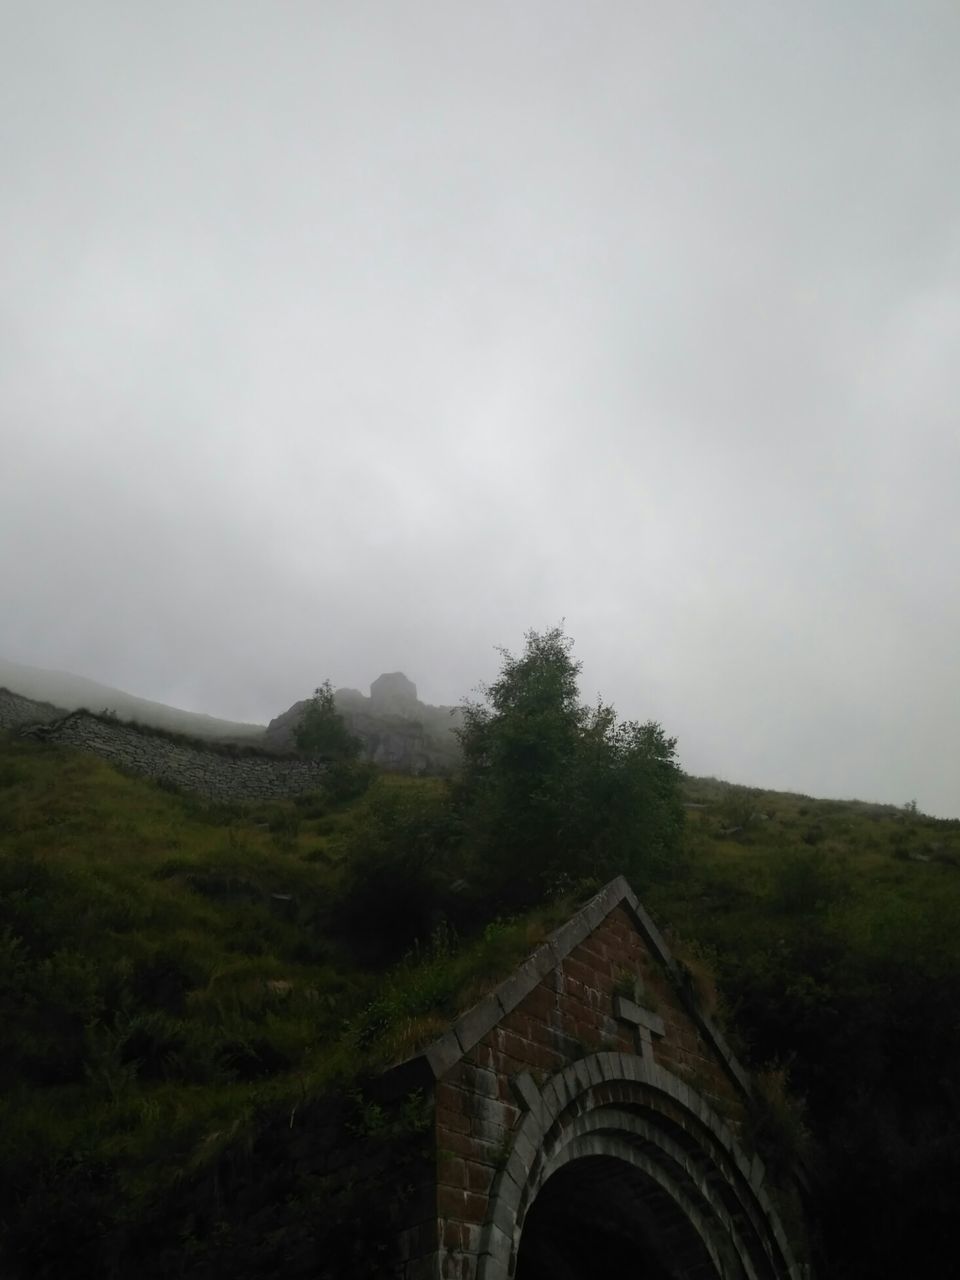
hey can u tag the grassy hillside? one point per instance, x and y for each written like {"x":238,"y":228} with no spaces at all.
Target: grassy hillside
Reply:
{"x":833,"y":931}
{"x":180,"y":982}
{"x":173,"y":980}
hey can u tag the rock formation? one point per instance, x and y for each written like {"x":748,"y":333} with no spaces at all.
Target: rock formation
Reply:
{"x":397,"y":730}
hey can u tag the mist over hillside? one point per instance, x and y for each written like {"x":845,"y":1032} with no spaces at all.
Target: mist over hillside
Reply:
{"x":397,"y":730}
{"x":71,"y":692}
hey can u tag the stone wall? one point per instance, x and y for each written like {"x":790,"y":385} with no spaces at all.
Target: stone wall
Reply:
{"x":219,"y":774}
{"x":15,"y":710}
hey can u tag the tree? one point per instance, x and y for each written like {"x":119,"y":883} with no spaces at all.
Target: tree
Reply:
{"x":552,"y":791}
{"x":322,"y":731}
{"x":399,"y":860}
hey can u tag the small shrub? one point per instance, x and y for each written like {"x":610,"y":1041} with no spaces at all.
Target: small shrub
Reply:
{"x":804,"y":883}
{"x":319,"y":853}
{"x":11,"y":776}
{"x":348,"y":779}
{"x":777,"y":1122}
{"x":162,"y":979}
{"x":738,"y":808}
{"x":396,"y":870}
{"x":312,"y":804}
{"x":625,"y":984}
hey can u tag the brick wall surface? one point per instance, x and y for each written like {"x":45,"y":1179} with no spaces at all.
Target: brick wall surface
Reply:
{"x":572,"y":1012}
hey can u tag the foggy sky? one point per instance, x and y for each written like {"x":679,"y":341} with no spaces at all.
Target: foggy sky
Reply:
{"x":339,"y":337}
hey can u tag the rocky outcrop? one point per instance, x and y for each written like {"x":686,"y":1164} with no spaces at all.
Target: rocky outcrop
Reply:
{"x":392,"y":694}
{"x":397,"y":730}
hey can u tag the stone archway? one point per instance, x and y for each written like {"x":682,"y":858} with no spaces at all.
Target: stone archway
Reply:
{"x":590,"y":1090}
{"x":617,"y":1135}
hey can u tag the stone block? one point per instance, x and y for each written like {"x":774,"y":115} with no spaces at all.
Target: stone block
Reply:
{"x":479,"y":1177}
{"x":423,"y":1268}
{"x":444,"y":1053}
{"x":464,"y":1206}
{"x":505,"y":1205}
{"x":555,"y":1095}
{"x":490,"y":1131}
{"x":476,"y":1022}
{"x":523,"y":1156}
{"x":581,"y":1074}
{"x":630,"y":1012}
{"x":526,"y":978}
{"x":563,"y":940}
{"x":525,"y":1091}
{"x":499,"y":1246}
{"x":609,"y":1064}
{"x":480,"y":1080}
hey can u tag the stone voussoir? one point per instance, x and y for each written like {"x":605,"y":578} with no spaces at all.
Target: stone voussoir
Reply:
{"x":473,"y":1025}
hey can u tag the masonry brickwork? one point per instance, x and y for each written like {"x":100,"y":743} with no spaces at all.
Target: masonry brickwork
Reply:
{"x":567,"y":1016}
{"x":598,"y":1023}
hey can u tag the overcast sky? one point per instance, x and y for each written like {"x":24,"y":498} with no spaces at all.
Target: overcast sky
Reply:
{"x":339,"y":337}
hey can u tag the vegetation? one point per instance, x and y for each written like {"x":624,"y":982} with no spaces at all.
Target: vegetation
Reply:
{"x":182,"y":1011}
{"x":552,"y":798}
{"x":554,"y":792}
{"x":322,"y":731}
{"x":195,"y":997}
{"x":833,"y":929}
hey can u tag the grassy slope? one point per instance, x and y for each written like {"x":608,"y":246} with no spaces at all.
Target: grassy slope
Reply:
{"x":833,"y":930}
{"x":765,"y":859}
{"x":169,"y":976}
{"x":813,"y":904}
{"x":170,"y":973}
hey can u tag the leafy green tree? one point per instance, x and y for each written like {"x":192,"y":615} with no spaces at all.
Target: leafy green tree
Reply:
{"x":553,"y":792}
{"x":322,"y":731}
{"x":399,"y":862}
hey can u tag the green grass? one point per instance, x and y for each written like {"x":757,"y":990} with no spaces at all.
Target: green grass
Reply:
{"x":870,"y":870}
{"x":833,"y":930}
{"x":172,"y":979}
{"x":177,"y":989}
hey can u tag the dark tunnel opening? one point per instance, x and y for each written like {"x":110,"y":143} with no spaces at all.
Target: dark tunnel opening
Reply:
{"x":600,"y":1216}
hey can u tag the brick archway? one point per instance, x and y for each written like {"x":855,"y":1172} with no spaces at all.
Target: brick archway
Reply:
{"x":623,"y":1109}
{"x":594,"y":1060}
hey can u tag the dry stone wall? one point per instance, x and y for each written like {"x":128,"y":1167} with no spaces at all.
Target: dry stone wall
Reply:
{"x":221,"y":775}
{"x":15,"y":710}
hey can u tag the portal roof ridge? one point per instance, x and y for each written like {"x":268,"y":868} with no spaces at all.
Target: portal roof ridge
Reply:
{"x":471,"y":1026}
